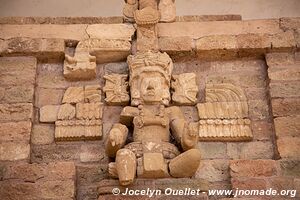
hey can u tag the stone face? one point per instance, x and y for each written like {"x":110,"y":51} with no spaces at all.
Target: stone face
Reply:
{"x":16,"y":112}
{"x":253,"y":168}
{"x":287,"y":126}
{"x":15,"y":131}
{"x":13,"y":151}
{"x":49,"y":113}
{"x":285,"y":90}
{"x":288,"y":147}
{"x":42,"y":134}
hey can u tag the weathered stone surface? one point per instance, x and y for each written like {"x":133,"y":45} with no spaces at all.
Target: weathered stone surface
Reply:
{"x":31,"y":46}
{"x":201,"y":18}
{"x":281,"y":183}
{"x":287,"y":126}
{"x":17,"y":94}
{"x":253,"y":168}
{"x":288,"y":147}
{"x":258,"y":109}
{"x":49,"y":113}
{"x":280,"y":60}
{"x":92,"y":153}
{"x":213,"y":170}
{"x":173,"y":45}
{"x":46,"y":31}
{"x":285,"y":107}
{"x":16,"y":112}
{"x":17,"y":71}
{"x":262,"y":130}
{"x":56,"y":171}
{"x":257,"y":150}
{"x":15,"y":131}
{"x":290,"y":72}
{"x":48,"y":96}
{"x":290,"y":168}
{"x":13,"y":151}
{"x":199,"y":29}
{"x":42,"y":134}
{"x":41,"y":190}
{"x":212,"y":150}
{"x":289,"y":23}
{"x":88,"y":174}
{"x":249,"y":183}
{"x":111,"y":31}
{"x":285,"y":89}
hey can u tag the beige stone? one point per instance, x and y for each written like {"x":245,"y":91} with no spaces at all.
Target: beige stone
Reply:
{"x":175,"y":44}
{"x":290,"y":72}
{"x":66,"y":111}
{"x":42,"y":134}
{"x":287,"y":126}
{"x":116,"y":89}
{"x":16,"y":112}
{"x":285,"y":90}
{"x":13,"y":151}
{"x":147,"y":38}
{"x":215,"y":170}
{"x":185,"y":89}
{"x":154,"y":166}
{"x":49,"y":113}
{"x":126,"y":166}
{"x":73,"y":95}
{"x":263,"y":150}
{"x":15,"y":131}
{"x":17,"y":94}
{"x":89,"y":110}
{"x":92,"y":93}
{"x":167,"y":10}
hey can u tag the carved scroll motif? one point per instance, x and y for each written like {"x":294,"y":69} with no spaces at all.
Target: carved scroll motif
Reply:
{"x":224,"y":116}
{"x":80,"y":115}
{"x":116,"y":89}
{"x":185,"y":89}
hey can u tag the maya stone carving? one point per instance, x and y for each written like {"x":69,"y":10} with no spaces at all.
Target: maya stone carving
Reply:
{"x":151,"y":154}
{"x":80,"y":115}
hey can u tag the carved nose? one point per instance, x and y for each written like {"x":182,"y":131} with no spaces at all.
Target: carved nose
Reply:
{"x":150,"y":87}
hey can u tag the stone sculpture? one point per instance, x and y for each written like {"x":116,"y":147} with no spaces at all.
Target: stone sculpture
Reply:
{"x":80,"y":115}
{"x":224,"y":116}
{"x":151,"y":155}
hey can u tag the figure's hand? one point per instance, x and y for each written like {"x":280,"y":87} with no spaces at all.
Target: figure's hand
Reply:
{"x":116,"y":137}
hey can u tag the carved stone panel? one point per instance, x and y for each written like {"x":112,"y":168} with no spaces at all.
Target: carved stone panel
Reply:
{"x":116,"y":89}
{"x":80,"y":115}
{"x":224,"y":116}
{"x":185,"y":89}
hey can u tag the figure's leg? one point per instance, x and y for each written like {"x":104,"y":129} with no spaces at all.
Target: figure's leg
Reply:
{"x":186,"y":164}
{"x":126,"y":166}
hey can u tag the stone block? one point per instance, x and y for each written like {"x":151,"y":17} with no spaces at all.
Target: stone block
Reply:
{"x":262,"y":130}
{"x":13,"y":151}
{"x":212,"y":150}
{"x":17,"y":71}
{"x":290,"y":168}
{"x":281,"y":183}
{"x":49,"y":113}
{"x":15,"y":131}
{"x":288,"y":147}
{"x":287,"y":126}
{"x":285,"y":90}
{"x":48,"y":96}
{"x":92,"y":153}
{"x":173,"y":45}
{"x":284,"y":72}
{"x":257,"y":150}
{"x":249,"y":183}
{"x":16,"y":112}
{"x":42,"y":134}
{"x":17,"y":94}
{"x":253,"y":168}
{"x":213,"y":170}
{"x":285,"y":107}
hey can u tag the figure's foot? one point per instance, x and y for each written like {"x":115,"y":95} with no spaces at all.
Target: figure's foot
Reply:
{"x":126,"y":166}
{"x":186,"y":164}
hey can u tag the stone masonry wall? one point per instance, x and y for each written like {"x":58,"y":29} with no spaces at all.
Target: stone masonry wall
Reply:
{"x":260,"y":56}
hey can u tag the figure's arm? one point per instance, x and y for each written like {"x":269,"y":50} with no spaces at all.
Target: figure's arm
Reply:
{"x":184,"y":133}
{"x":116,"y":139}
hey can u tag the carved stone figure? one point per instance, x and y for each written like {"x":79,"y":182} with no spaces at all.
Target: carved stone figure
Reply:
{"x":80,"y":115}
{"x":185,"y":89}
{"x":151,"y":155}
{"x":224,"y":116}
{"x":116,"y":89}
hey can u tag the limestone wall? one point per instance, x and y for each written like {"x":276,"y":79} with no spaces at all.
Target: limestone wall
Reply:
{"x":260,"y":56}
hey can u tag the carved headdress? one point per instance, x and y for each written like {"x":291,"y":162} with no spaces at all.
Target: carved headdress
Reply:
{"x":150,"y":62}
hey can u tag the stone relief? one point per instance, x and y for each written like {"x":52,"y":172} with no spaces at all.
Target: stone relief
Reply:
{"x":151,"y":155}
{"x":224,"y":116}
{"x":80,"y":115}
{"x":185,"y":89}
{"x":116,"y":89}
